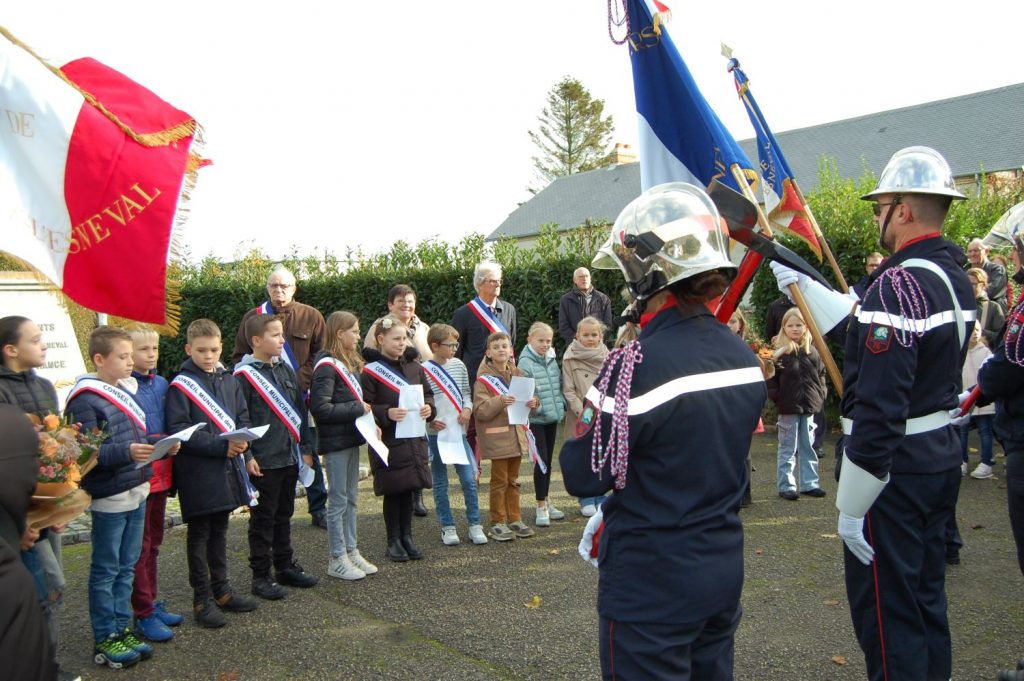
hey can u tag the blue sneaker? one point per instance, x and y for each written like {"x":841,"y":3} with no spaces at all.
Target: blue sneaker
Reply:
{"x":144,"y":650}
{"x":169,"y":618}
{"x":114,"y":653}
{"x":152,"y":628}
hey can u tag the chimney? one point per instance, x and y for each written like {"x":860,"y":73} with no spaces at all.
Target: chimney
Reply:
{"x":623,"y":154}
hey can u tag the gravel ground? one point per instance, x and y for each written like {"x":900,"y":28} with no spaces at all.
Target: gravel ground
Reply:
{"x":461,"y":612}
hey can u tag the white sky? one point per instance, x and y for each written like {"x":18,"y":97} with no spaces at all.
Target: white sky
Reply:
{"x":358,"y":124}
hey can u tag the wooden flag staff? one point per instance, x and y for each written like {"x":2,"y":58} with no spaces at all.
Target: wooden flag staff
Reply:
{"x":821,"y":238}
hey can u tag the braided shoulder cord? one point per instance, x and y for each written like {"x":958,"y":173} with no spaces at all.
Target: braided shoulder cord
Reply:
{"x":618,"y":18}
{"x":1013,"y":342}
{"x":618,"y":439}
{"x":910,"y":301}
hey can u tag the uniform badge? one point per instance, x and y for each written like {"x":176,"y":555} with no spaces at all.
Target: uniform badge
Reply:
{"x":1013,"y":326}
{"x":879,"y":338}
{"x":586,"y":420}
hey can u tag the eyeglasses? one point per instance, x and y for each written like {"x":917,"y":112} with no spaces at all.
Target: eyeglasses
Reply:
{"x":453,"y":346}
{"x":877,"y":208}
{"x":283,"y":287}
{"x":496,"y":282}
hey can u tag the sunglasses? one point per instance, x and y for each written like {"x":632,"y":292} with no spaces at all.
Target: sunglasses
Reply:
{"x":877,"y":208}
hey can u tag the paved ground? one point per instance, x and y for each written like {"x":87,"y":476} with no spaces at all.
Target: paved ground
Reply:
{"x":461,"y":613}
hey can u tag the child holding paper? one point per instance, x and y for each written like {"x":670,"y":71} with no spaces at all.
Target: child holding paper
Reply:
{"x":450,"y":381}
{"x":389,"y":369}
{"x":580,"y":366}
{"x":208,"y":472}
{"x":336,"y":401}
{"x":502,"y":443}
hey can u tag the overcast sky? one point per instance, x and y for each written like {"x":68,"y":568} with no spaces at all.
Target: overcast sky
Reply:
{"x":335,"y":125}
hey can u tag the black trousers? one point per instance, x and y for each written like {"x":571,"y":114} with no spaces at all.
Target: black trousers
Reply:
{"x":544,"y":434}
{"x":398,"y":514}
{"x":1015,"y":495}
{"x":270,"y":529}
{"x":206,"y":539}
{"x":898,"y":602}
{"x":316,"y":494}
{"x":698,"y":651}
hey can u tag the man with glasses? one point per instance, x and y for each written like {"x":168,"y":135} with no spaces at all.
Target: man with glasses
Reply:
{"x":482,"y":316}
{"x":304,"y":333}
{"x":977,"y":256}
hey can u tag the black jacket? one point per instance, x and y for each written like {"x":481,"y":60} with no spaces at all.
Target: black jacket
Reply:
{"x":206,"y":480}
{"x":1002,"y":382}
{"x":573,"y":307}
{"x":798,"y":386}
{"x":275,"y":448}
{"x":473,"y":334}
{"x":27,"y":390}
{"x":672,"y":547}
{"x":335,"y":409}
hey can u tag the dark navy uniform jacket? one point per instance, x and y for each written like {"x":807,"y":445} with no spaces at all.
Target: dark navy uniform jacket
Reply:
{"x":885,"y":383}
{"x":672,"y":547}
{"x":1002,"y":381}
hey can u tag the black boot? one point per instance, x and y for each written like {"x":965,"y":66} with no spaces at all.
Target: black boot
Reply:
{"x":410,"y":548}
{"x":417,"y":504}
{"x":396,"y":551}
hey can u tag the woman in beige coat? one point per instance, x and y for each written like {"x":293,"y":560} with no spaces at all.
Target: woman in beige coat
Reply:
{"x":580,"y":366}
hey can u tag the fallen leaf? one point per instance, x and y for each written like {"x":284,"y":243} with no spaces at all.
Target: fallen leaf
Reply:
{"x":758,"y":552}
{"x":830,"y":536}
{"x":831,"y":601}
{"x":533,"y":603}
{"x":839,"y":660}
{"x":227,"y":676}
{"x":977,"y":527}
{"x":554,"y":552}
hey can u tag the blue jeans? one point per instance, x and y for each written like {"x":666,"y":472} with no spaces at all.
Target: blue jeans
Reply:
{"x":116,"y":543}
{"x":342,"y":468}
{"x":596,"y":501}
{"x":796,"y":432}
{"x":439,"y":473}
{"x":984,"y":424}
{"x":45,"y":563}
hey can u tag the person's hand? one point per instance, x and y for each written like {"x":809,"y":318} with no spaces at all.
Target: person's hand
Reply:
{"x":366,"y":408}
{"x":786,"y":277}
{"x":58,"y":528}
{"x":139,"y":451}
{"x":175,"y":449}
{"x":308,"y":460}
{"x":587,"y":542}
{"x":852,"y":532}
{"x":464,"y":416}
{"x":438,"y":425}
{"x":236,"y":447}
{"x":533,"y":402}
{"x":253,"y":469}
{"x":508,"y":400}
{"x":396,"y":414}
{"x":29,"y":538}
{"x":425,"y":411}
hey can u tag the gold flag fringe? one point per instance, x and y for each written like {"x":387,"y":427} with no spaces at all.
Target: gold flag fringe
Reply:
{"x":147,"y":139}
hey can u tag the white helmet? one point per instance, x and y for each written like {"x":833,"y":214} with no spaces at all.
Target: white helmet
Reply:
{"x":670,"y":232}
{"x":916,"y":170}
{"x":1008,"y":230}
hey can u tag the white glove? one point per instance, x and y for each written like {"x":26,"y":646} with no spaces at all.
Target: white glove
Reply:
{"x":587,"y":543}
{"x":786,"y":276}
{"x":827,"y":307}
{"x":955,"y":417}
{"x":852,"y":531}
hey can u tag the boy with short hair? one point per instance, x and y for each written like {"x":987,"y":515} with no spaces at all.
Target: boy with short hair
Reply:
{"x":208,"y":473}
{"x":149,"y":390}
{"x":118,"y":490}
{"x":272,"y":396}
{"x":450,"y":380}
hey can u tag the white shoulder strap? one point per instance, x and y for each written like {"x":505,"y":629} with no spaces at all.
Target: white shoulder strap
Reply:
{"x":961,"y":325}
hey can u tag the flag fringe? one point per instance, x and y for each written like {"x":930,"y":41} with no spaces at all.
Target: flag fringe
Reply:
{"x":161,"y":138}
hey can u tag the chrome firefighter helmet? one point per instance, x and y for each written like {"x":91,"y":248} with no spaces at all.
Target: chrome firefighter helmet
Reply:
{"x":916,"y":170}
{"x":669,"y":233}
{"x":1008,"y":230}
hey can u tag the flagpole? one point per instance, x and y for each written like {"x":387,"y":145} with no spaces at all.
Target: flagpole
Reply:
{"x":794,"y":290}
{"x":821,"y":238}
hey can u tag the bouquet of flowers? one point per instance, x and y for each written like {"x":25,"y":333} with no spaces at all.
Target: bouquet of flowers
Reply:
{"x":66,"y":454}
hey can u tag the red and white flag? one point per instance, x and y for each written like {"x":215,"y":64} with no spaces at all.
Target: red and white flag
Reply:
{"x":92,"y":172}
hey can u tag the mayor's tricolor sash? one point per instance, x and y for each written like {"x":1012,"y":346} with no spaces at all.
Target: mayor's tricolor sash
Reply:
{"x":277,"y":402}
{"x":288,"y":354}
{"x":339,"y":367}
{"x":498,"y":387}
{"x":115,"y":396}
{"x":483,"y":312}
{"x":447,"y":385}
{"x":385,"y":376}
{"x":218,"y":417}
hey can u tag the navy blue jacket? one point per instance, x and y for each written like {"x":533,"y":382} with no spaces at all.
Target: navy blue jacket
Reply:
{"x":115,"y":472}
{"x":672,"y":547}
{"x":473,"y":334}
{"x":335,"y":409}
{"x":206,"y":480}
{"x":275,"y":448}
{"x":28,"y":391}
{"x":1002,"y":381}
{"x":885,"y":383}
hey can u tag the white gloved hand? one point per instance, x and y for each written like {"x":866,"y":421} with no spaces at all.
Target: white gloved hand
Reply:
{"x":787,"y":276}
{"x":587,"y":542}
{"x":955,"y":417}
{"x":852,"y":531}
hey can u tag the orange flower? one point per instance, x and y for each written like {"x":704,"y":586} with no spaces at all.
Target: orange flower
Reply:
{"x":74,"y":476}
{"x":49,"y":446}
{"x":51,"y":422}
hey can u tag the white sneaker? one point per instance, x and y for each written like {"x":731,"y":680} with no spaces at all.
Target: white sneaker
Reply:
{"x":449,"y":536}
{"x":982,"y":472}
{"x":541,"y":518}
{"x":554,"y":513}
{"x":588,"y":510}
{"x":361,"y":563}
{"x":963,"y":468}
{"x":476,"y":534}
{"x":343,"y":568}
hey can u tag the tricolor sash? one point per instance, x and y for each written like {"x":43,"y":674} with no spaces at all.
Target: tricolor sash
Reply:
{"x":447,"y":385}
{"x":115,"y":396}
{"x":483,"y":312}
{"x":339,"y":367}
{"x":277,"y":402}
{"x":498,"y":387}
{"x":385,"y":376}
{"x":221,"y":419}
{"x":288,"y":354}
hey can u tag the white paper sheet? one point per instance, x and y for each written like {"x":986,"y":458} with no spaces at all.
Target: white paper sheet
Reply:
{"x":163,"y":446}
{"x":451,"y":447}
{"x":413,"y":425}
{"x":246,"y":434}
{"x":522,"y":389}
{"x":367,"y":427}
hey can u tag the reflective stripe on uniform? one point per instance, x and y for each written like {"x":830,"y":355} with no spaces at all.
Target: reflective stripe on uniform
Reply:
{"x":896,"y":321}
{"x":641,"y":404}
{"x":914,"y":426}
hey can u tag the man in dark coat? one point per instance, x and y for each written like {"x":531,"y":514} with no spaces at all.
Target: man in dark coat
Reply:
{"x":582,"y":300}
